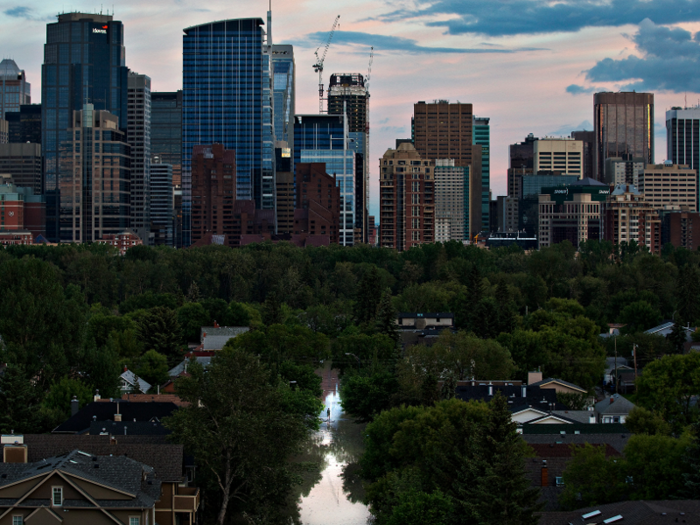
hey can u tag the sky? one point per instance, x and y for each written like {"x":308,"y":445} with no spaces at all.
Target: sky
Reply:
{"x":531,"y":66}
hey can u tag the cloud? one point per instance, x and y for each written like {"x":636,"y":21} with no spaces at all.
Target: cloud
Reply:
{"x":575,"y":89}
{"x":25,"y":13}
{"x":669,"y":60}
{"x":565,"y":131}
{"x":515,"y":17}
{"x":394,"y":43}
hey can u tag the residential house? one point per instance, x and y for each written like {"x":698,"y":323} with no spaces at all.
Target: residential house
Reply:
{"x":615,"y":365}
{"x":424,"y":320}
{"x":114,"y":410}
{"x":613,"y":409}
{"x":215,"y":337}
{"x":665,"y":329}
{"x":630,"y":513}
{"x":130,"y":382}
{"x":177,"y":502}
{"x":76,"y":488}
{"x":558,"y":385}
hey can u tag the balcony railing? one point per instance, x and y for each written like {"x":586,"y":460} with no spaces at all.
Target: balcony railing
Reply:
{"x":187,"y":499}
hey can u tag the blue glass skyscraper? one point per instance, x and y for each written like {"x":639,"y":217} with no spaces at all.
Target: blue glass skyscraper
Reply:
{"x":227,"y":99}
{"x":325,"y":138}
{"x":482,"y":137}
{"x":283,"y":93}
{"x":84,"y":63}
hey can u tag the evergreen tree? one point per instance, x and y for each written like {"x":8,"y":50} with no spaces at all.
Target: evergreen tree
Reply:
{"x":160,"y":330}
{"x":691,"y":459}
{"x":386,"y":317}
{"x":19,"y":399}
{"x":492,"y":487}
{"x":272,"y":310}
{"x":369,"y":295}
{"x":677,"y":336}
{"x":475,"y":285}
{"x":688,"y":293}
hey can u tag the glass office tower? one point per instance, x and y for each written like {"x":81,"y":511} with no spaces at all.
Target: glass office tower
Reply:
{"x":227,"y":99}
{"x":84,"y":63}
{"x":482,"y":136}
{"x":283,"y":93}
{"x":325,"y":138}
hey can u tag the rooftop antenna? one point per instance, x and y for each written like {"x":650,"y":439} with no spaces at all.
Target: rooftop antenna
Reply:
{"x":269,"y":24}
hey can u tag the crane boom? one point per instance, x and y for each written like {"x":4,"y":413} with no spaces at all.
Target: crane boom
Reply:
{"x":318,"y":66}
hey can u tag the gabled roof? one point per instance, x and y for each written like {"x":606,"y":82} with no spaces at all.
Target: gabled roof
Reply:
{"x":615,"y":404}
{"x":552,"y":417}
{"x":551,"y":380}
{"x":105,"y":411}
{"x":135,"y":381}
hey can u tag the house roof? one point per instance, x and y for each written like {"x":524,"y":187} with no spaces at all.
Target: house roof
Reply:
{"x":155,"y":398}
{"x":424,"y":315}
{"x":182,"y":367}
{"x":165,"y":458}
{"x":128,"y":428}
{"x":136,"y":381}
{"x":550,"y":380}
{"x":578,"y":416}
{"x":105,"y":411}
{"x":616,"y":404}
{"x":565,"y":450}
{"x":535,"y":397}
{"x":616,"y":441}
{"x":632,"y":512}
{"x":562,"y":419}
{"x":117,"y":472}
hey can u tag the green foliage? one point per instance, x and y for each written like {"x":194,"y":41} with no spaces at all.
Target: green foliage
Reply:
{"x":192,"y":317}
{"x":20,"y":400}
{"x":655,"y":464}
{"x":153,"y":368}
{"x":574,"y":400}
{"x":418,"y":508}
{"x":61,"y":393}
{"x":160,"y":330}
{"x":668,"y":387}
{"x":237,"y":315}
{"x":643,"y":421}
{"x":364,"y":397}
{"x":238,"y":431}
{"x":149,"y":300}
{"x":369,"y":294}
{"x":639,"y":316}
{"x":591,"y":479}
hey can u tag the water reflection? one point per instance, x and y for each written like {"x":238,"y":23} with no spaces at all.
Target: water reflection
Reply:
{"x":332,"y":493}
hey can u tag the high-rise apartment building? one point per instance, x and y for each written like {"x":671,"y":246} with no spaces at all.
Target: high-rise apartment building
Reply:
{"x":94,"y":180}
{"x":588,"y":140}
{"x":624,"y":125}
{"x":284,"y":173}
{"x":139,"y":138}
{"x":444,"y":131}
{"x":348,"y":95}
{"x":317,"y":202}
{"x":25,"y":124}
{"x":623,"y":171}
{"x":407,"y":198}
{"x":161,"y":196}
{"x":227,"y":99}
{"x":451,"y":206}
{"x":326,"y":138}
{"x":14,"y":88}
{"x":23,"y":162}
{"x":84,"y":62}
{"x":481,"y":131}
{"x":283,"y":85}
{"x":628,"y":216}
{"x":669,"y":184}
{"x":559,"y":155}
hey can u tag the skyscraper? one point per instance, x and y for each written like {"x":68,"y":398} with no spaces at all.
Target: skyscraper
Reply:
{"x":161,"y":194}
{"x":94,"y":181}
{"x":348,"y":95}
{"x":227,"y":99}
{"x":283,"y":82}
{"x":325,"y":138}
{"x":683,"y":136}
{"x":84,"y":62}
{"x":139,"y":138}
{"x":25,"y":124}
{"x":482,"y":136}
{"x":624,"y":125}
{"x":14,"y":88}
{"x":407,"y":205}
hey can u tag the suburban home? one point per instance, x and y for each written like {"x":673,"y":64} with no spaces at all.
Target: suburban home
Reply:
{"x":613,"y":365}
{"x":130,"y":382}
{"x":421,"y":321}
{"x":215,"y":337}
{"x":665,"y":329}
{"x":630,"y":513}
{"x":176,"y":502}
{"x":76,"y":488}
{"x":560,"y":386}
{"x":613,"y":409}
{"x":116,"y":410}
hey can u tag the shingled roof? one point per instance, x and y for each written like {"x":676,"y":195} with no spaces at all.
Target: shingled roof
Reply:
{"x":105,"y":411}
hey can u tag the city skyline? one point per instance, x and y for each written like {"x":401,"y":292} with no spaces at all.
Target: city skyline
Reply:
{"x":525,"y":78}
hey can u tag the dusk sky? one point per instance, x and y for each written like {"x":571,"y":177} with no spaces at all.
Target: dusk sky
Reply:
{"x":531,"y":66}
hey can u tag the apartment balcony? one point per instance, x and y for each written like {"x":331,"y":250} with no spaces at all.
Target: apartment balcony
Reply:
{"x":187,"y":500}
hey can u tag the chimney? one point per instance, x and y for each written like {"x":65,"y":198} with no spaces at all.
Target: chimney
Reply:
{"x":112,"y":440}
{"x":74,"y":406}
{"x":14,"y":454}
{"x":534,"y":377}
{"x":591,"y":418}
{"x":545,"y":474}
{"x":126,"y":368}
{"x":612,"y":400}
{"x":97,"y":395}
{"x":117,"y":417}
{"x":524,"y":391}
{"x":490,"y":390}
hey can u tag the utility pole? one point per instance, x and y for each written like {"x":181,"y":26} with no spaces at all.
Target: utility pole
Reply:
{"x":634,"y":353}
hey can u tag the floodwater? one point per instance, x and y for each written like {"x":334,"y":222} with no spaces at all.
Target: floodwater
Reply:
{"x":332,"y":491}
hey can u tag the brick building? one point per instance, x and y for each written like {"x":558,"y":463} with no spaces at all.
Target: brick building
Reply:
{"x":317,"y":210}
{"x":122,"y":241}
{"x":22,"y":214}
{"x":681,"y":228}
{"x":628,"y":216}
{"x":407,"y":198}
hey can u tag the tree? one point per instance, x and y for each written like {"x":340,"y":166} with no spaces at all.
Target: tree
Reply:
{"x":590,"y":478}
{"x":386,"y":317}
{"x":419,"y":508}
{"x":492,"y":486}
{"x":160,"y":331}
{"x":668,"y":387}
{"x":369,"y":294}
{"x":272,"y":310}
{"x":677,"y":336}
{"x":192,"y":317}
{"x":365,"y":397}
{"x":639,"y":316}
{"x":61,"y":393}
{"x":691,"y":458}
{"x":237,"y":431}
{"x":153,"y":368}
{"x":688,"y":293}
{"x":655,"y":466}
{"x":20,"y":400}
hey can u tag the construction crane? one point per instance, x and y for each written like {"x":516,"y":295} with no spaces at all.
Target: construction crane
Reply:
{"x":369,"y":73}
{"x":318,"y":66}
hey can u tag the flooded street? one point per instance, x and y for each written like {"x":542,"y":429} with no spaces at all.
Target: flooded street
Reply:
{"x":333,"y":492}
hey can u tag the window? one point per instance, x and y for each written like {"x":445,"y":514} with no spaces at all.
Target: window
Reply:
{"x":57,"y":496}
{"x":134,"y":521}
{"x":17,"y":520}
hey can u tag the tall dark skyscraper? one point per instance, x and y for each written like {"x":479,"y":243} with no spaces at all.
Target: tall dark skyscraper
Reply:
{"x":683,"y":136}
{"x":14,"y":88}
{"x":283,"y":82}
{"x":25,"y":124}
{"x":347,"y":95}
{"x":227,"y":99}
{"x":84,"y":63}
{"x":166,"y":130}
{"x":624,"y":127}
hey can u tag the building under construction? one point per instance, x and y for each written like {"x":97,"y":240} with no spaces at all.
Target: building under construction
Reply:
{"x":347,"y":94}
